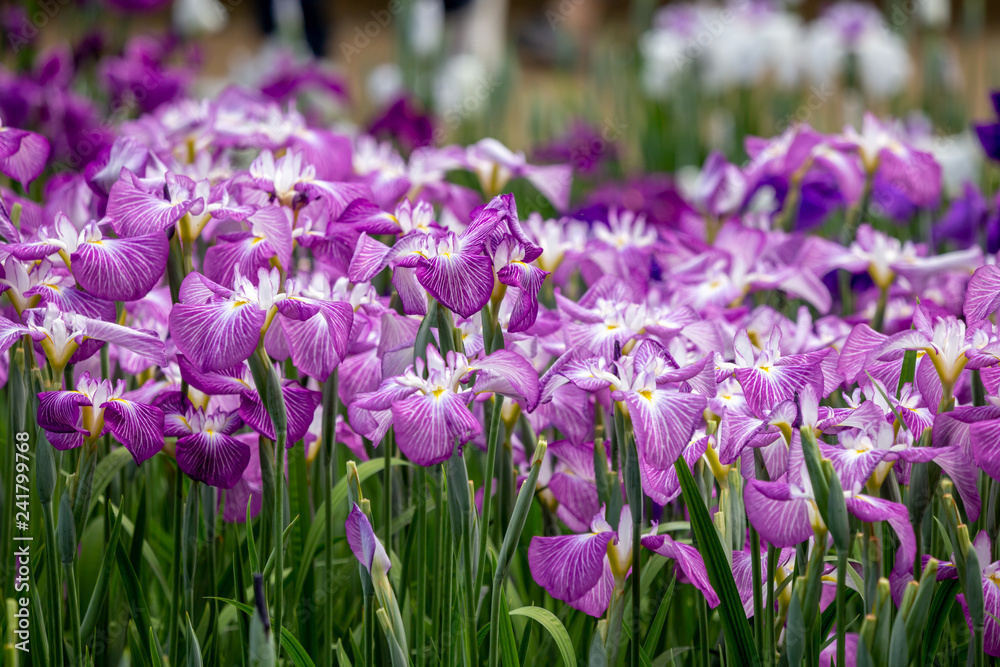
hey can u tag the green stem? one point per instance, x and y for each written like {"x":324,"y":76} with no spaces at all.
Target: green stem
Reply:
{"x":330,"y":408}
{"x":173,"y":626}
{"x":769,"y":641}
{"x":491,"y":455}
{"x":279,"y":547}
{"x":421,"y":527}
{"x":841,"y":606}
{"x":55,"y":587}
{"x":369,"y":629}
{"x":758,"y":603}
{"x":387,"y":490}
{"x":74,"y":610}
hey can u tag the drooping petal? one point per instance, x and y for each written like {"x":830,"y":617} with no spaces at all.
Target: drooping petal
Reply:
{"x":216,"y":335}
{"x":462,"y":282}
{"x":59,"y":411}
{"x":213,"y":458}
{"x":689,"y":561}
{"x":300,"y":406}
{"x":121,"y":269}
{"x":870,"y":509}
{"x":510,"y":374}
{"x":568,"y":566}
{"x":137,"y":426}
{"x":10,"y":333}
{"x":780,"y":518}
{"x":529,"y":281}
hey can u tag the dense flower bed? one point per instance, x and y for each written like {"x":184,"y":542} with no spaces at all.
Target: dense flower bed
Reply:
{"x":775,"y":382}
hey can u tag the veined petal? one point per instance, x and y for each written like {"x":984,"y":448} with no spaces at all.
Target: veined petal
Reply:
{"x":370,"y":257}
{"x":661,"y":484}
{"x":460,"y":281}
{"x":854,"y":467}
{"x":768,"y":386}
{"x":318,"y":344}
{"x":134,"y":211}
{"x":510,"y":374}
{"x":664,"y":420}
{"x":137,"y":426}
{"x":782,"y":522}
{"x":213,"y":458}
{"x":411,"y":292}
{"x":984,"y":439}
{"x":121,"y":269}
{"x":10,"y":333}
{"x":224,"y":381}
{"x":143,"y":342}
{"x":568,"y":566}
{"x":23,"y":154}
{"x":337,"y":194}
{"x":242,"y":252}
{"x":529,"y":279}
{"x":71,"y":300}
{"x":216,"y":335}
{"x":59,"y":411}
{"x":428,"y":425}
{"x":595,"y":601}
{"x":300,"y":406}
{"x":982,"y":296}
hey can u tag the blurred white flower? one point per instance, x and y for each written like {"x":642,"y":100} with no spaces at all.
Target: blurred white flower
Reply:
{"x":462,"y":86}
{"x":384,"y":83}
{"x":426,"y":26}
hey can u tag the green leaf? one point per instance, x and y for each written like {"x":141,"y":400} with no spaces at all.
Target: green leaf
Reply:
{"x":341,"y":654}
{"x":656,"y":627}
{"x":103,"y":579}
{"x":554,"y":627}
{"x":194,"y":650}
{"x":289,"y":643}
{"x":739,"y":640}
{"x":508,"y":646}
{"x":107,"y":469}
{"x":136,"y":648}
{"x":251,"y":545}
{"x":944,"y":598}
{"x":134,"y":597}
{"x":795,"y":632}
{"x":317,"y":532}
{"x":156,"y":657}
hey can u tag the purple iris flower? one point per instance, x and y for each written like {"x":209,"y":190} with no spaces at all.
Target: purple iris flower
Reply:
{"x":96,"y":407}
{"x":430,"y":413}
{"x":989,"y":133}
{"x":648,"y":382}
{"x":206,"y":449}
{"x":769,"y":377}
{"x":785,"y":513}
{"x":965,"y":220}
{"x":403,"y":121}
{"x":583,"y":570}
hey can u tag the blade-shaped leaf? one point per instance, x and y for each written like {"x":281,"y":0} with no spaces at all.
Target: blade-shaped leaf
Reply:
{"x":739,"y":640}
{"x":554,"y":627}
